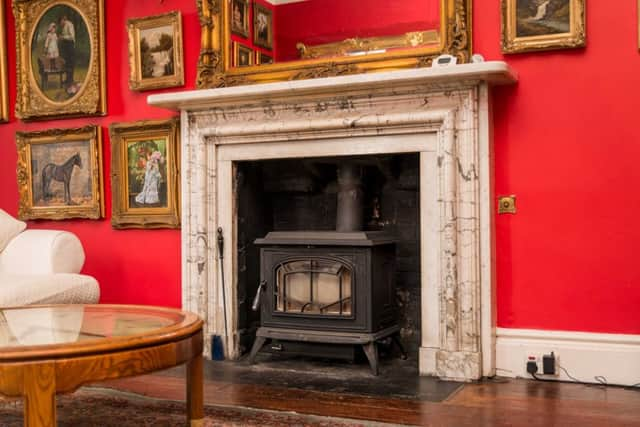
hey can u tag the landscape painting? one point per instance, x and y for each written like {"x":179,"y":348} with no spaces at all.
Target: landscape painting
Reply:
{"x":155,"y":52}
{"x":60,"y":173}
{"x":529,"y":25}
{"x":542,"y":17}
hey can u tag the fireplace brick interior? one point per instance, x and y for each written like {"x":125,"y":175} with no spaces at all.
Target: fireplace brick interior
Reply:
{"x":301,"y":194}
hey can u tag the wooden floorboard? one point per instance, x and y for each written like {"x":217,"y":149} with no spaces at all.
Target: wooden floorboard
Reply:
{"x":508,"y":403}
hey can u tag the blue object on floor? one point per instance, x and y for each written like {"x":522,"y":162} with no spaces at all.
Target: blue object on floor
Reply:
{"x":217,"y":351}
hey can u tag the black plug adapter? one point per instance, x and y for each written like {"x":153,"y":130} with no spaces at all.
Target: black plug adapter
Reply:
{"x":549,"y":364}
{"x":532,"y":367}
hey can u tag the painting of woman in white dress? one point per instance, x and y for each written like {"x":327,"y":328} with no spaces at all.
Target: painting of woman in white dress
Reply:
{"x":147,"y":170}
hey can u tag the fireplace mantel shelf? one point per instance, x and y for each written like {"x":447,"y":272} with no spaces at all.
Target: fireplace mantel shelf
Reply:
{"x":492,"y":72}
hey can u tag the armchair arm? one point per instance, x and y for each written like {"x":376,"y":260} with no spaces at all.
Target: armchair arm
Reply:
{"x":43,"y":252}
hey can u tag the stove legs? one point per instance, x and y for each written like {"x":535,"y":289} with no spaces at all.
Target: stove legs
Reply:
{"x":371,"y":350}
{"x":257,"y":345}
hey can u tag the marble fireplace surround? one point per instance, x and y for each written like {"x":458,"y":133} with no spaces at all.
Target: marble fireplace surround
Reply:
{"x":441,"y":113}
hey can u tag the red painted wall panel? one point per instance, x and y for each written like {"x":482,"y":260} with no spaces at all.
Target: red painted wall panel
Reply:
{"x":566,"y":143}
{"x":315,"y":21}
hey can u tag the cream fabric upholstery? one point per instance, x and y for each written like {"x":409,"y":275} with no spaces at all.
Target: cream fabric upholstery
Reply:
{"x":9,"y":228}
{"x":61,"y":288}
{"x":41,"y":267}
{"x":42,"y":252}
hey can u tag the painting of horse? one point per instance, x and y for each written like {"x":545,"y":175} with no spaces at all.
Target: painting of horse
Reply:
{"x":61,"y":173}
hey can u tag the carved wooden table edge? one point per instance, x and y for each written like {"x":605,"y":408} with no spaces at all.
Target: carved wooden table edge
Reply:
{"x":55,"y":369}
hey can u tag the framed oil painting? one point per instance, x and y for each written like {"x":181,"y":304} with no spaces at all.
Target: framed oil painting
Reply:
{"x":60,"y":173}
{"x":60,"y":58}
{"x":529,"y":25}
{"x":262,"y":26}
{"x":240,"y":17}
{"x":263,"y":58}
{"x":145,"y":181}
{"x":242,"y":55}
{"x":155,"y":52}
{"x":4,"y":85}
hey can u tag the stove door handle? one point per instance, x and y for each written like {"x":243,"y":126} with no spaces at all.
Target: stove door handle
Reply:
{"x":256,"y":300}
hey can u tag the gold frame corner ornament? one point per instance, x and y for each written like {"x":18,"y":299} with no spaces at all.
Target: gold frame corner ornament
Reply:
{"x":31,"y":103}
{"x":134,"y":26}
{"x":24,"y":142}
{"x":511,"y":43}
{"x":122,"y":215}
{"x":4,"y":80}
{"x":215,"y":65}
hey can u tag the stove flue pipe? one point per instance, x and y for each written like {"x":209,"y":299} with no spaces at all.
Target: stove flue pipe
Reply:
{"x":349,"y":216}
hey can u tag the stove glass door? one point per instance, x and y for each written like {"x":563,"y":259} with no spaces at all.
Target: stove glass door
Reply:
{"x":315,"y":286}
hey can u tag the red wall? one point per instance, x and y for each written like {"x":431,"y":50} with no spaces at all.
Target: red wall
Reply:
{"x":316,"y":22}
{"x":565,"y":143}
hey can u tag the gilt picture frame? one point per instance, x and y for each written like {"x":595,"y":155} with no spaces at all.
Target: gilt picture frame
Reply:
{"x":243,"y":56}
{"x":60,"y":58}
{"x":155,"y":52}
{"x":60,"y":174}
{"x":535,"y":25}
{"x":145,"y":184}
{"x":240,"y":17}
{"x":262,"y":58}
{"x":262,"y":26}
{"x":4,"y":82}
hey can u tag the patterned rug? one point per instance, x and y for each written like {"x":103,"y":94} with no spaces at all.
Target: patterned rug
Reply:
{"x":106,"y":408}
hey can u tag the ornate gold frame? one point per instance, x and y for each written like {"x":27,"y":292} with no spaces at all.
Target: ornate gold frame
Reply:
{"x":369,"y":44}
{"x":214,"y":67}
{"x":136,"y":81}
{"x":245,"y":20}
{"x":268,"y":44}
{"x":4,"y":84}
{"x":511,"y":43}
{"x":236,"y":54}
{"x":31,"y":103}
{"x":122,"y":216}
{"x":24,"y":141}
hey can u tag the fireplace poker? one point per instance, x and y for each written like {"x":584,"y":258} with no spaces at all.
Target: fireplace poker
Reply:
{"x":224,"y":298}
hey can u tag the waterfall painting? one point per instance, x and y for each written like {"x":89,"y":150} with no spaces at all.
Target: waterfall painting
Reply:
{"x":529,"y":25}
{"x":155,"y":52}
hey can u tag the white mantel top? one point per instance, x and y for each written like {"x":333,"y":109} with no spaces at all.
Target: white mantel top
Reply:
{"x":492,"y":72}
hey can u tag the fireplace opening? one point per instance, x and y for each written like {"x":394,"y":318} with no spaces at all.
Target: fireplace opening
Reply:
{"x":317,"y":280}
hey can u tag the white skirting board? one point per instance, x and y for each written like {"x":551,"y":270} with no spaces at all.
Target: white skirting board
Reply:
{"x":616,"y":357}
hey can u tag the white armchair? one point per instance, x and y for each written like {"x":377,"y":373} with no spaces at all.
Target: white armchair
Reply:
{"x":41,"y":267}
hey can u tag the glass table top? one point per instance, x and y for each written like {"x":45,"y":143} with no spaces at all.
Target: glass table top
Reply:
{"x":50,"y":325}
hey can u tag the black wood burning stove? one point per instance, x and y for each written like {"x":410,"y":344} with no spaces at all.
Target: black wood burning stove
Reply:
{"x":323,"y":292}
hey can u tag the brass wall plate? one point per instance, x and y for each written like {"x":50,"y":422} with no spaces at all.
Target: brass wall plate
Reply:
{"x":507,"y":204}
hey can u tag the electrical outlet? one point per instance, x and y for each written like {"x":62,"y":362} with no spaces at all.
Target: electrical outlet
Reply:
{"x":546,"y":365}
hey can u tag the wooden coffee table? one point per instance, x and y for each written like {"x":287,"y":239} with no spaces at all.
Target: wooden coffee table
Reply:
{"x":46,"y":350}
